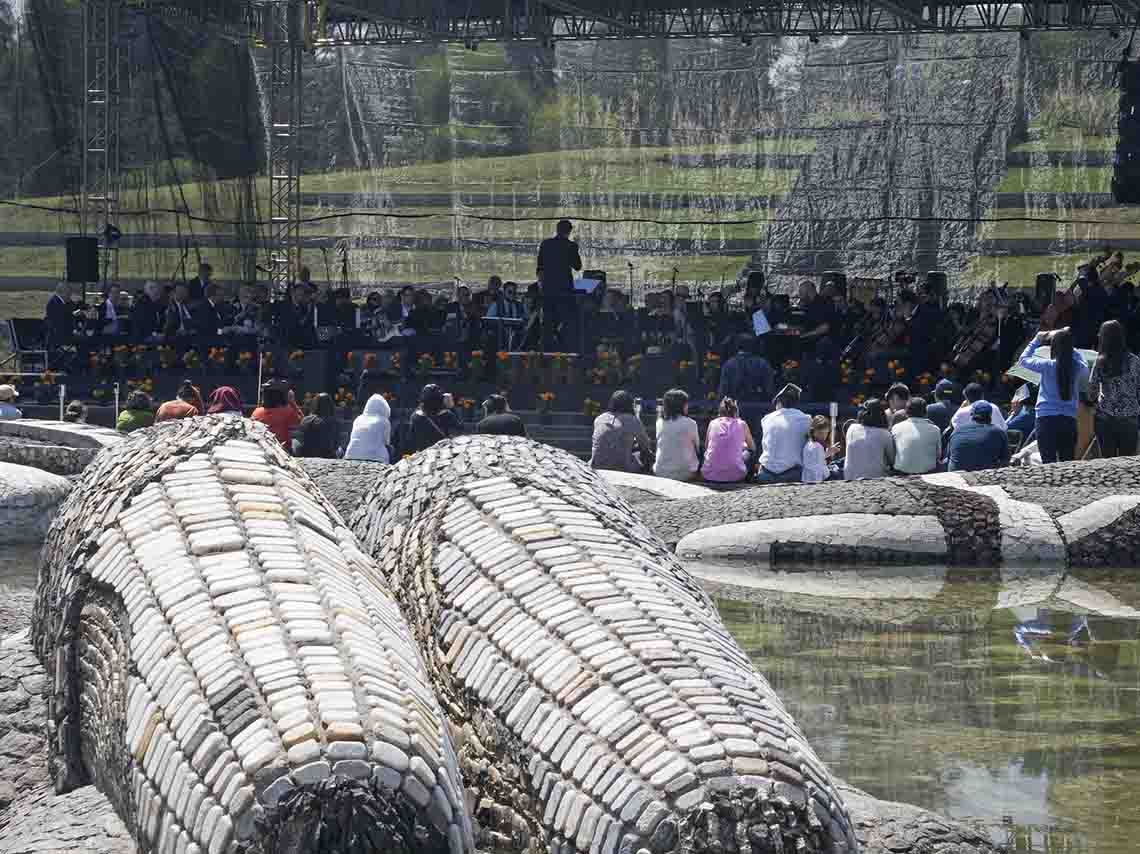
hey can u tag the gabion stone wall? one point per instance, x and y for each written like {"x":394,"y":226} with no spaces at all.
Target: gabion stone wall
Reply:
{"x":604,"y":706}
{"x":227,"y":666}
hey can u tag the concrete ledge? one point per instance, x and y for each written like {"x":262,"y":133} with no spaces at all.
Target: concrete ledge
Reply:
{"x":28,"y":501}
{"x":657,"y":485}
{"x":1092,"y":517}
{"x":60,"y":433}
{"x":917,"y":536}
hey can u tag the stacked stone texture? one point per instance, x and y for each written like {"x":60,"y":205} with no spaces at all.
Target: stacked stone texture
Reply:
{"x":227,"y":666}
{"x":604,"y":706}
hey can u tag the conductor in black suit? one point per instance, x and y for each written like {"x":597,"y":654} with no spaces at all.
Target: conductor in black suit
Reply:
{"x":557,"y":259}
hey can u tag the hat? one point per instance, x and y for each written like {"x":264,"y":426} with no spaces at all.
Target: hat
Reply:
{"x":8,"y":392}
{"x":981,"y":407}
{"x":790,"y":391}
{"x":945,"y":385}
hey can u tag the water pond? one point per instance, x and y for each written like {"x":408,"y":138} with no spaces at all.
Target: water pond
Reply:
{"x":1005,"y":697}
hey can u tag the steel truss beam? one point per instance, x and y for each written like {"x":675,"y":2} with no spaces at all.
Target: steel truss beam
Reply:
{"x":285,"y":44}
{"x":99,"y":154}
{"x":557,"y":20}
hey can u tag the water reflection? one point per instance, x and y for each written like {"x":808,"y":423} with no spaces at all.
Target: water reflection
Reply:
{"x":1007,"y":696}
{"x":18,"y":569}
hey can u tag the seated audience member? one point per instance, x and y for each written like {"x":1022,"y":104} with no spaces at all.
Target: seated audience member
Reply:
{"x":870,"y":445}
{"x":509,"y":308}
{"x":148,"y":314}
{"x":297,"y":317}
{"x":817,"y":453}
{"x":139,"y":413}
{"x":184,"y":405}
{"x":974,"y":393}
{"x":318,"y":435}
{"x":782,"y":435}
{"x":225,"y":400}
{"x":211,"y":314}
{"x":620,"y":442}
{"x":76,"y":413}
{"x":747,"y":375}
{"x":498,"y":420}
{"x":433,"y":421}
{"x":945,"y":403}
{"x":179,"y":321}
{"x":729,"y":446}
{"x":918,"y":441}
{"x":371,"y":432}
{"x":279,"y":412}
{"x":678,"y":440}
{"x":898,"y":397}
{"x":59,"y":317}
{"x":8,"y":410}
{"x":1022,"y":415}
{"x":978,"y":444}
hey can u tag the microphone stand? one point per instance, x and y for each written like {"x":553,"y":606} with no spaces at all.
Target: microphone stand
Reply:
{"x":629,"y":264}
{"x":328,"y":270}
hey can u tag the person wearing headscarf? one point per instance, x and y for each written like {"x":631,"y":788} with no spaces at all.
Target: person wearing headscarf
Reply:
{"x":319,"y":433}
{"x":371,"y":432}
{"x":225,"y":400}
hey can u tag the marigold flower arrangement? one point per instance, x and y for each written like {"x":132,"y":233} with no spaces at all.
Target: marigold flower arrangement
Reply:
{"x":297,"y":356}
{"x":266,"y":362}
{"x":245,"y":359}
{"x":217,"y":355}
{"x":545,"y":399}
{"x":425,"y":363}
{"x":591,"y":408}
{"x":166,"y":356}
{"x":344,"y":397}
{"x":503,"y":356}
{"x":191,"y":359}
{"x":48,"y":378}
{"x":449,"y":360}
{"x":476,"y":362}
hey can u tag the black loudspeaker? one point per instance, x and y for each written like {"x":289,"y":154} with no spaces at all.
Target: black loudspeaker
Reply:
{"x":837,"y":278}
{"x":1126,"y":164}
{"x":1045,"y":289}
{"x":599,"y":275}
{"x":82,"y":259}
{"x":755,"y":283}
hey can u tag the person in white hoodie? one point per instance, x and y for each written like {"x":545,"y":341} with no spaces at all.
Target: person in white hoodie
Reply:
{"x":371,"y":432}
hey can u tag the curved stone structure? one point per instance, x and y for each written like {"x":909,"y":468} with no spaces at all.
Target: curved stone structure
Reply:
{"x":227,"y":666}
{"x":1079,"y":514}
{"x":563,"y":636}
{"x":60,"y":447}
{"x":28,"y":500}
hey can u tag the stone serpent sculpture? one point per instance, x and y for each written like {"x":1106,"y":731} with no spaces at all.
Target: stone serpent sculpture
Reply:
{"x":563,"y":636}
{"x":227,"y":666}
{"x":596,"y":700}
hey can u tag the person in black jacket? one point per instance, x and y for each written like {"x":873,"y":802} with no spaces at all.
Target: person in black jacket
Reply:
{"x":211,"y":315}
{"x":319,"y":433}
{"x":148,"y":314}
{"x":297,"y":318}
{"x":498,"y":420}
{"x":59,"y":317}
{"x":432,"y":422}
{"x":558,"y":257}
{"x":179,"y":320}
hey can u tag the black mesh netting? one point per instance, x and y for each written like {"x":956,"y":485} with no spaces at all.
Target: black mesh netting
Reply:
{"x":989,"y":156}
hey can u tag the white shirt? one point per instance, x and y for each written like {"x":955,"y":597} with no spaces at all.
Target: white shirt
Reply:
{"x":760,"y":325}
{"x":962,"y":416}
{"x":918,"y":442}
{"x":782,"y":442}
{"x":677,"y":442}
{"x":815,"y":463}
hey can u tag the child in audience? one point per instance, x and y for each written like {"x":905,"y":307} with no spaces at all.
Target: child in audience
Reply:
{"x":817,"y":453}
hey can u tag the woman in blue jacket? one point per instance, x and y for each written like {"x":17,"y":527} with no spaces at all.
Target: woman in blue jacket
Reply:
{"x":1057,"y":395}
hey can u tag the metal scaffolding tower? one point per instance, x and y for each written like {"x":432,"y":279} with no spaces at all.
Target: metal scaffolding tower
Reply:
{"x":285,"y":45}
{"x":102,"y":76}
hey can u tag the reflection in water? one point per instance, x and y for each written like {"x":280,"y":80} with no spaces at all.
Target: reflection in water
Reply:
{"x":1023,"y":716}
{"x":18,"y":568}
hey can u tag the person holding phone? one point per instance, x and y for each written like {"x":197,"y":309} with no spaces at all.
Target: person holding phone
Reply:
{"x":1058,"y":393}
